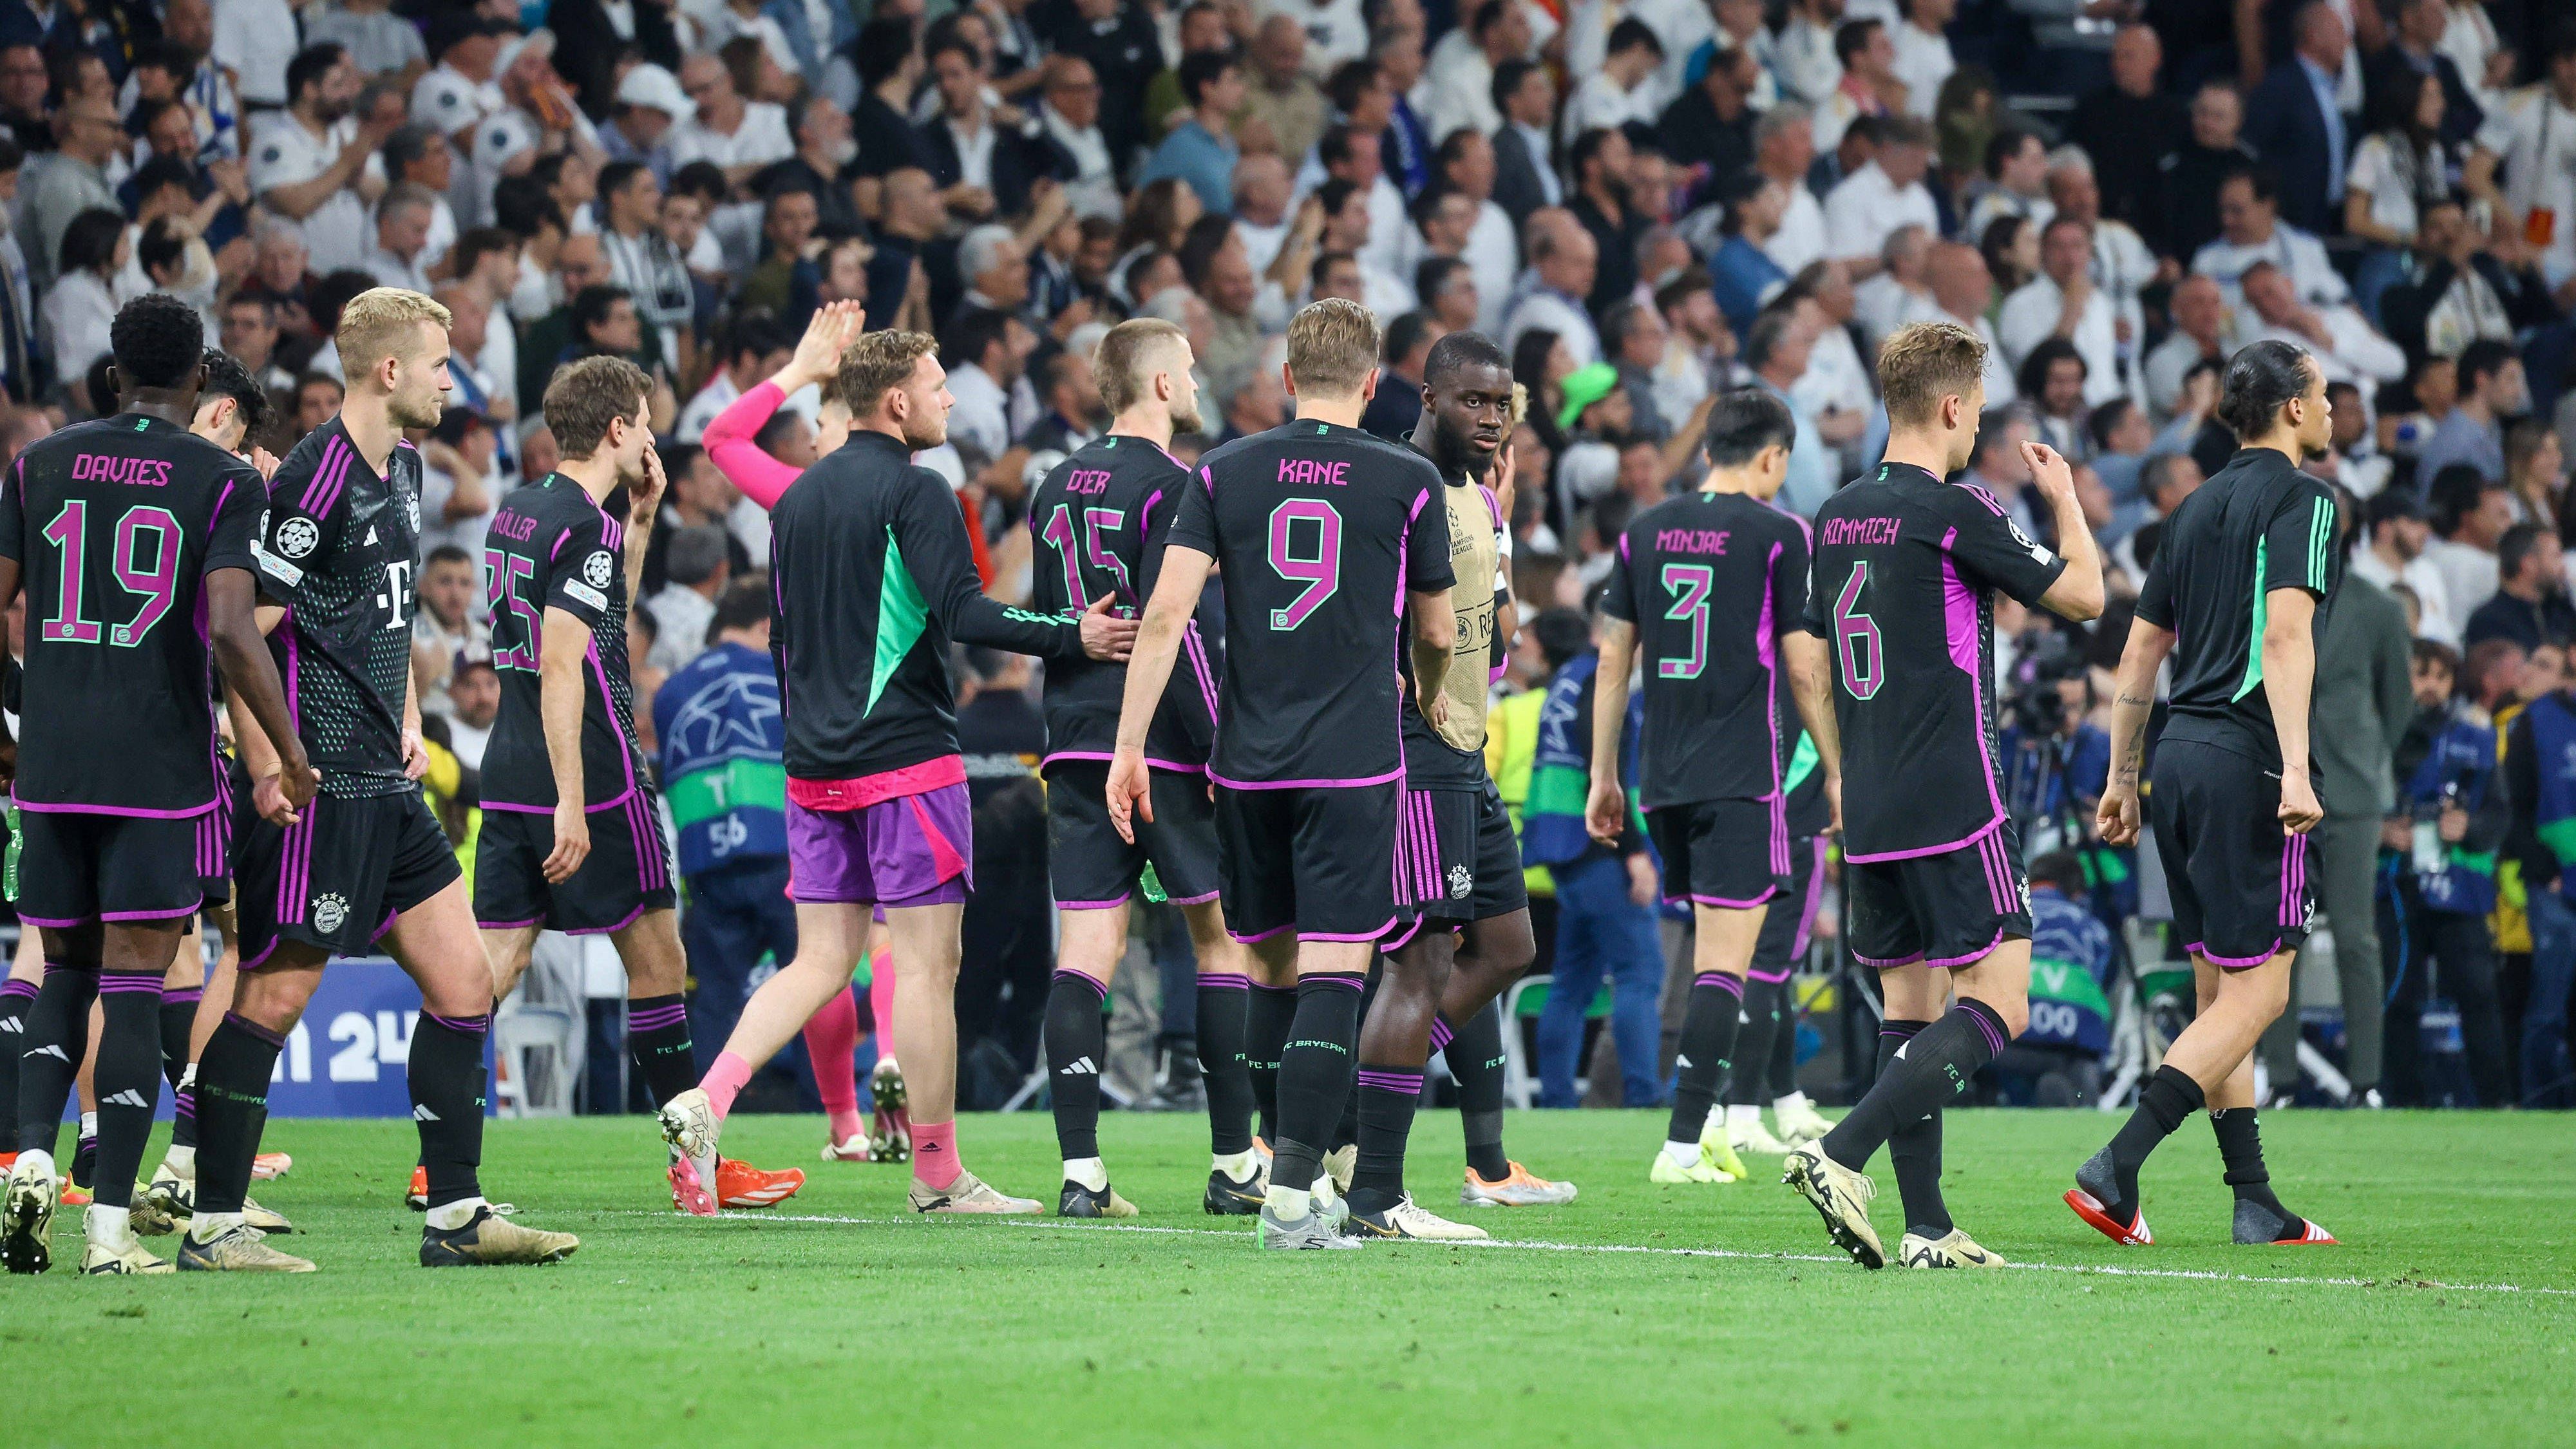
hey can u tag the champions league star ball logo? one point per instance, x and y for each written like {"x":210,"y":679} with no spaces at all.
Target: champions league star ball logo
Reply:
{"x":329,"y":912}
{"x":596,"y":569}
{"x":298,"y":537}
{"x":1461,"y":881}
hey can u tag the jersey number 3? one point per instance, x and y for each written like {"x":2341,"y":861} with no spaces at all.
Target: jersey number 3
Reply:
{"x":1689,"y":585}
{"x":157,"y":584}
{"x":1856,"y":640}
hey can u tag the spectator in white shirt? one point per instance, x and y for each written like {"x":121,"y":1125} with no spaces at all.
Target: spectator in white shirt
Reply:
{"x":1784,"y":146}
{"x":1802,"y":54}
{"x":1335,"y":30}
{"x":381,"y":42}
{"x":2398,"y":537}
{"x":1564,"y":261}
{"x":1460,"y":76}
{"x":400,"y":252}
{"x":2015,"y":183}
{"x":739,"y":136}
{"x":75,"y":316}
{"x":255,"y":40}
{"x":1923,"y":59}
{"x":1465,"y":163}
{"x":754,"y":348}
{"x":695,"y":564}
{"x":460,"y":92}
{"x":984,"y":360}
{"x":2250,"y":231}
{"x":1962,"y":289}
{"x":315,"y":165}
{"x":2063,"y":302}
{"x":2343,"y":344}
{"x":1622,"y":90}
{"x":2199,"y":335}
{"x":1881,"y":196}
{"x":1881,"y":303}
{"x":2472,"y":514}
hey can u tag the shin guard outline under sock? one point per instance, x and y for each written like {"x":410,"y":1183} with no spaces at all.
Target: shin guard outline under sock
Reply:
{"x":1077,"y":1038}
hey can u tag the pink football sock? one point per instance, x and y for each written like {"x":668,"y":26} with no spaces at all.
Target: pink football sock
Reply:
{"x":881,"y":1000}
{"x":832,"y":1038}
{"x":934,"y":1153}
{"x":724,"y":1081}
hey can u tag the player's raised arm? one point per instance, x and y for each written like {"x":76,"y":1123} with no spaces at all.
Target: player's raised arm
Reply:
{"x":1158,"y":642}
{"x":2077,"y":594}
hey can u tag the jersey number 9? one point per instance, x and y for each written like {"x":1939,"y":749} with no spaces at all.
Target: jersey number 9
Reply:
{"x":1318,"y":568}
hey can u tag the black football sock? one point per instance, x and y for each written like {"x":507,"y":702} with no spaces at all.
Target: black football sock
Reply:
{"x":1784,"y":1040}
{"x":2240,"y":1146}
{"x":1387,"y":1097}
{"x":232,"y":1108}
{"x":128,"y":1081}
{"x":1751,"y":1079}
{"x":178,"y":1026}
{"x":1077,"y":1037}
{"x":15,"y":999}
{"x":1267,"y":1014}
{"x":1315,"y":1075}
{"x":2111,"y":1174}
{"x":1709,"y":1026}
{"x":54,"y":1042}
{"x":1934,"y":1067}
{"x":1346,"y":1132}
{"x":1474,"y":1050}
{"x":1224,"y":997}
{"x":1915,"y":1149}
{"x":657,"y":1042}
{"x":178,"y":1023}
{"x":447,"y":1102}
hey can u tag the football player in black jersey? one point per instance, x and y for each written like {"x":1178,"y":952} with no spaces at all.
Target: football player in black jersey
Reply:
{"x":1473,"y":939}
{"x":124,"y":529}
{"x":368,"y":861}
{"x":572,"y":826}
{"x":1098,"y":521}
{"x":1906,"y":569}
{"x":2237,"y":596}
{"x":1316,"y":525}
{"x":1708,"y":593}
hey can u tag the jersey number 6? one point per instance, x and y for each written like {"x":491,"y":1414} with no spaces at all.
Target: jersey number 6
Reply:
{"x":1856,"y":639}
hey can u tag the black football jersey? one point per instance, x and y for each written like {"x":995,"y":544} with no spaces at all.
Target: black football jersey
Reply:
{"x":1902,"y":593}
{"x":1711,"y":581}
{"x":115,"y":525}
{"x":1319,"y":531}
{"x":1099,"y":521}
{"x":1452,"y":757}
{"x":2257,"y":525}
{"x":871,"y":577}
{"x":339,"y":549}
{"x":550,"y":547}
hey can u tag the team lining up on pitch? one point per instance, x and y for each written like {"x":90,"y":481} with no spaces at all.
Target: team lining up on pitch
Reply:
{"x":1330,"y":832}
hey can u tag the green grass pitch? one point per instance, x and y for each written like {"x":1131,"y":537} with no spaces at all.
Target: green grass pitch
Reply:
{"x":1639,"y":1315}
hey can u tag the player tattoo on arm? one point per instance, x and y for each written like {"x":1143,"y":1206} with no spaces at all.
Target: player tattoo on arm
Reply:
{"x":1606,"y":812}
{"x":2289,"y":679}
{"x":1149,"y":668}
{"x":2133,"y":698}
{"x":562,"y":696}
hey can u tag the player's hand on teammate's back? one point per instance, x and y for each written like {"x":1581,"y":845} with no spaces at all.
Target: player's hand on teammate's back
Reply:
{"x":2116,"y":818}
{"x":266,"y":462}
{"x":2299,"y":811}
{"x":2055,"y":478}
{"x":1435,"y":708}
{"x":1130,"y":792}
{"x":1834,"y":803}
{"x":1605,"y":812}
{"x":415,"y":753}
{"x":1107,"y":637}
{"x":572,"y":842}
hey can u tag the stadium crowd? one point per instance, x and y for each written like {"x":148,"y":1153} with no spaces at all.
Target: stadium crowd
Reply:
{"x":1643,"y":201}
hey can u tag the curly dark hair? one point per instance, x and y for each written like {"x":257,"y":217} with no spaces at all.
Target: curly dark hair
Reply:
{"x":226,"y":377}
{"x":158,"y":341}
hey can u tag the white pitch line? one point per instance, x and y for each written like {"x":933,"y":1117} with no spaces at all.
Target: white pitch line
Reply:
{"x":2202,"y":1275}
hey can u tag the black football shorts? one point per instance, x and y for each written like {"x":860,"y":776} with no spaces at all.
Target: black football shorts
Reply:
{"x":1730,"y":854}
{"x":75,"y":868}
{"x":1460,"y":860}
{"x":1783,"y":942}
{"x":1947,"y":909}
{"x":1093,"y":869}
{"x":2239,"y":882}
{"x":627,"y":872}
{"x":337,"y":877}
{"x":1317,"y":860}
